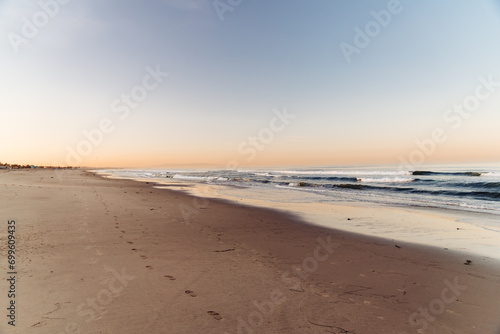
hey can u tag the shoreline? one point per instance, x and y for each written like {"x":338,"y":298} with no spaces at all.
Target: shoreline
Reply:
{"x":228,"y":267}
{"x":445,"y":228}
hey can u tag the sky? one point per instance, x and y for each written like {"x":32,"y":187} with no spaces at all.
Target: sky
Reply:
{"x":249,"y":83}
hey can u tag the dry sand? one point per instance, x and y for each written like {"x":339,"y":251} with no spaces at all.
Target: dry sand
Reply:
{"x":97,"y":255}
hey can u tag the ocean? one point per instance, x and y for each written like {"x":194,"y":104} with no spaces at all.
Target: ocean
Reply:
{"x":473,"y":188}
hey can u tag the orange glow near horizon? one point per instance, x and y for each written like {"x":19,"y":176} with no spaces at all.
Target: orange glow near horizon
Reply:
{"x":270,"y":159}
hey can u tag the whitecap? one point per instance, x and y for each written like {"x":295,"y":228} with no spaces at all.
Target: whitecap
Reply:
{"x":386,"y":179}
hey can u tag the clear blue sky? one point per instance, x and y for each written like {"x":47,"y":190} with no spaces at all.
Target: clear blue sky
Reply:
{"x":227,"y":76}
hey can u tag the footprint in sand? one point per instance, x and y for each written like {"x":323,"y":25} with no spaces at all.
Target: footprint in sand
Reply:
{"x":172,"y":278}
{"x":144,"y":256}
{"x":191,"y":293}
{"x":150,"y":267}
{"x":216,"y":315}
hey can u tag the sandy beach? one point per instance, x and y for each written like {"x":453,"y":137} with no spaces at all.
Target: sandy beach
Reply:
{"x":97,"y":255}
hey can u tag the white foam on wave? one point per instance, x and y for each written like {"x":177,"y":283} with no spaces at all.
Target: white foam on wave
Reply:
{"x":347,"y":172}
{"x":472,"y":206}
{"x":187,"y":177}
{"x":199,"y":178}
{"x":386,"y":179}
{"x":491,"y":174}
